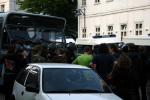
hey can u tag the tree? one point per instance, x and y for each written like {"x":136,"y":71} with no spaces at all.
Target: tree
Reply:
{"x":61,"y":8}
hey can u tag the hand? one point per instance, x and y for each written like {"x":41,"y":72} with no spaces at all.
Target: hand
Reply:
{"x":109,"y":76}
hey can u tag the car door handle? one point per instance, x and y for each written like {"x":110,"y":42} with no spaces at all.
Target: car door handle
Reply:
{"x":22,"y":93}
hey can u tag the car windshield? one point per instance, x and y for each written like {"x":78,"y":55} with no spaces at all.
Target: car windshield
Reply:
{"x":32,"y":33}
{"x":68,"y":80}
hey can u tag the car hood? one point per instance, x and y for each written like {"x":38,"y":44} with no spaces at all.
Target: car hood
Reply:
{"x":77,"y":96}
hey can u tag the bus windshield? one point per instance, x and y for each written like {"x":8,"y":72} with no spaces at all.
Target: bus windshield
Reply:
{"x":32,"y":33}
{"x":36,"y":21}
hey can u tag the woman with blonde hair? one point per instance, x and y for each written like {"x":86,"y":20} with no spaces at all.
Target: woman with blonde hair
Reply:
{"x":123,"y":79}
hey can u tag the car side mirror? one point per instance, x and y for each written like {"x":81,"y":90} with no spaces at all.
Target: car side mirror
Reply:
{"x":32,"y":88}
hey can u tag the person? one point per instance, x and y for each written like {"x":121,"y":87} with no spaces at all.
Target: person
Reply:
{"x":51,"y":52}
{"x":85,"y":58}
{"x":60,"y":58}
{"x":45,"y":50}
{"x":143,"y":76}
{"x":135,"y":65}
{"x":114,"y":50}
{"x":36,"y":57}
{"x":123,"y":80}
{"x":124,"y":50}
{"x":102,"y":63}
{"x":148,"y":77}
{"x":120,"y":45}
{"x":19,"y":53}
{"x":70,"y":55}
{"x":11,"y":64}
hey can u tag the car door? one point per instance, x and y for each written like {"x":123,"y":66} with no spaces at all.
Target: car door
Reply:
{"x":19,"y":84}
{"x":32,"y":79}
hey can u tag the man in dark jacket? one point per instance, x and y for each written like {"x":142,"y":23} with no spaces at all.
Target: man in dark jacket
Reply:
{"x":148,"y":77}
{"x":143,"y":76}
{"x":135,"y":65}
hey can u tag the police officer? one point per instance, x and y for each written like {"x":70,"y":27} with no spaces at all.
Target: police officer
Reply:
{"x":36,"y":57}
{"x":70,"y":55}
{"x":45,"y":50}
{"x":51,"y":51}
{"x":31,"y":52}
{"x":11,"y":65}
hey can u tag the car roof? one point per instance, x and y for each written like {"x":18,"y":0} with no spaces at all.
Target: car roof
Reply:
{"x":58,"y":65}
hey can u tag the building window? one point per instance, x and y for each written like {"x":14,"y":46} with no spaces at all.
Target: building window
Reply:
{"x":110,"y":30}
{"x":97,"y":31}
{"x":83,"y":2}
{"x":109,"y":0}
{"x":84,"y":33}
{"x":97,"y":1}
{"x":2,"y":8}
{"x":138,"y":29}
{"x":123,"y":31}
{"x":84,"y":30}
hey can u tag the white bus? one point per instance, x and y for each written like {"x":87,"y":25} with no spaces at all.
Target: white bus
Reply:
{"x":95,"y":41}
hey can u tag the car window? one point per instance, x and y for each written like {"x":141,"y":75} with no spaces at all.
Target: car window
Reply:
{"x":22,"y":76}
{"x":32,"y":77}
{"x":72,"y":80}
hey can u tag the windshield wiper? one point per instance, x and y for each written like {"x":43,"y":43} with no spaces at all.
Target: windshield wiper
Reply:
{"x":58,"y":92}
{"x":86,"y":91}
{"x":77,"y":91}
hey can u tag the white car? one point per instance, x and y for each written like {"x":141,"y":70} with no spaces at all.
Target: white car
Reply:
{"x":53,"y":81}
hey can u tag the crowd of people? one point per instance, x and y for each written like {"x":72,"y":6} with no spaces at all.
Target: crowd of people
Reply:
{"x":125,"y":70}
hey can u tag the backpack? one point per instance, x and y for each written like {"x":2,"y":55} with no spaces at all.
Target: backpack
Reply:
{"x":9,"y":66}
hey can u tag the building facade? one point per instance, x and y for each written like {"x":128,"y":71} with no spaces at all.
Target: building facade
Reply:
{"x":120,"y":17}
{"x":9,"y":5}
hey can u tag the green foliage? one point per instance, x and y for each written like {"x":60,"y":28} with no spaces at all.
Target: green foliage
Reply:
{"x":61,"y":8}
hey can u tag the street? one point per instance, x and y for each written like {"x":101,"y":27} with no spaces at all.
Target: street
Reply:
{"x":1,"y":90}
{"x":2,"y":96}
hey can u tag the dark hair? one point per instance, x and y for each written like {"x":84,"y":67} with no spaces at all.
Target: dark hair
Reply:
{"x":11,"y":49}
{"x":103,"y":48}
{"x":61,"y":51}
{"x":131,"y":46}
{"x":86,"y":49}
{"x":37,"y":48}
{"x":124,"y":61}
{"x":141,"y":49}
{"x":114,"y":48}
{"x":125,"y":49}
